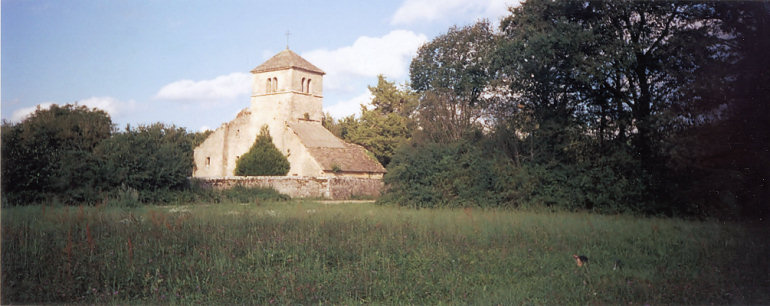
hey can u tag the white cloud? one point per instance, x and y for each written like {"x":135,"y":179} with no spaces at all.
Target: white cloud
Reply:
{"x":413,"y":11}
{"x":367,"y":57}
{"x":350,"y":107}
{"x":112,"y":106}
{"x":108,"y":104}
{"x":220,"y":88}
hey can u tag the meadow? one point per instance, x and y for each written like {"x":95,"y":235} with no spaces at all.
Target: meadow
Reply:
{"x":310,"y":252}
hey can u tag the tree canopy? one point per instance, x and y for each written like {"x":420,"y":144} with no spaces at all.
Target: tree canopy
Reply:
{"x":50,"y":153}
{"x":607,"y":106}
{"x":71,"y":154}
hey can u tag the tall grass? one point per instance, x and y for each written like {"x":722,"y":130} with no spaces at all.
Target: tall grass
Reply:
{"x":306,"y":252}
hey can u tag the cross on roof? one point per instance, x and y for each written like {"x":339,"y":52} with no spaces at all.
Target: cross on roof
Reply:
{"x":287,"y":38}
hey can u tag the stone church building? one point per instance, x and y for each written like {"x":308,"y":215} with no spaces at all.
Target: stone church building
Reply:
{"x":287,"y":96}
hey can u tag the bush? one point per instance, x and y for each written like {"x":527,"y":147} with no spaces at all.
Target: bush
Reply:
{"x":602,"y":186}
{"x":473,"y":173}
{"x":50,"y":155}
{"x":263,"y":158}
{"x":439,"y":175}
{"x":152,"y":159}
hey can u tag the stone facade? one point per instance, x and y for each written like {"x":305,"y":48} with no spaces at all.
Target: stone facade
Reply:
{"x":287,"y":96}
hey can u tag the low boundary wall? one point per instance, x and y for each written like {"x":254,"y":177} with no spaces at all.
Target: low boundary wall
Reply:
{"x":335,"y":188}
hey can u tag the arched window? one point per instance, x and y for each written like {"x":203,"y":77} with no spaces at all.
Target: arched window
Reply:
{"x":269,"y":86}
{"x":275,"y":84}
{"x":302,"y":89}
{"x":307,"y":88}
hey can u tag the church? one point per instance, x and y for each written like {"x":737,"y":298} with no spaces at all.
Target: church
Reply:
{"x":287,"y":96}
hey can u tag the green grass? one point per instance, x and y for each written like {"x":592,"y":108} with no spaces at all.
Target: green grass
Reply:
{"x":306,"y":252}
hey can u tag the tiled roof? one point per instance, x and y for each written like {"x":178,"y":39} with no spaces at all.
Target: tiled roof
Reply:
{"x":331,"y":152}
{"x":313,"y":134}
{"x":351,"y":158}
{"x":287,"y":59}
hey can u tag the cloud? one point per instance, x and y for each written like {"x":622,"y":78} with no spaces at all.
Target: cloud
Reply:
{"x":413,"y":11}
{"x":350,"y":107}
{"x":367,"y":57}
{"x":112,"y":106}
{"x":224,"y":87}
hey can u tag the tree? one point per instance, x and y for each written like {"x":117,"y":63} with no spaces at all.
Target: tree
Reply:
{"x":387,"y":125}
{"x":50,"y":154}
{"x":721,"y":161}
{"x":263,"y":158}
{"x":380,"y":133}
{"x":450,"y":73}
{"x":591,"y":81}
{"x":148,"y":158}
{"x":387,"y":98}
{"x":618,"y":68}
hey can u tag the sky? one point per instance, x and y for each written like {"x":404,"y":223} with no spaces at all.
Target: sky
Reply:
{"x":187,"y":63}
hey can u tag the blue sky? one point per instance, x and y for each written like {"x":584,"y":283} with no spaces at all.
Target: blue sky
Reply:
{"x":187,"y":62}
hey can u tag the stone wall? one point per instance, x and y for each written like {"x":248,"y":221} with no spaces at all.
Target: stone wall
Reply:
{"x":335,"y":188}
{"x":343,"y":188}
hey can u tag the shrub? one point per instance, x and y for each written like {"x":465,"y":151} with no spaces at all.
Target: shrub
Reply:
{"x":151,"y":159}
{"x":472,"y":173}
{"x":263,"y":158}
{"x":50,"y":155}
{"x":434,"y":175}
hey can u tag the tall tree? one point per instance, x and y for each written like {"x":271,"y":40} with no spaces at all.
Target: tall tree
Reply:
{"x":389,"y":123}
{"x":723,"y":154}
{"x":50,"y":153}
{"x":388,"y":98}
{"x":542,"y":60}
{"x":620,"y":68}
{"x":451,"y":73}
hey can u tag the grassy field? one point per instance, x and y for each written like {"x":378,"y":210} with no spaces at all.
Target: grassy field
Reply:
{"x":308,"y":252}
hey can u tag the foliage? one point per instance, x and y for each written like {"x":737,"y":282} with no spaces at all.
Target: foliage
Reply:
{"x":241,"y":194}
{"x":50,"y":154}
{"x":450,"y":73}
{"x":306,"y":253}
{"x":263,"y":158}
{"x":722,"y":162}
{"x":70,"y":154}
{"x":387,"y":98}
{"x":608,"y":106}
{"x":474,"y":173}
{"x":380,"y":133}
{"x":437,"y":175}
{"x":382,"y":129}
{"x":150,"y":159}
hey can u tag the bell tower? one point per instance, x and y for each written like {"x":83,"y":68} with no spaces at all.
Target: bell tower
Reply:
{"x":287,"y":88}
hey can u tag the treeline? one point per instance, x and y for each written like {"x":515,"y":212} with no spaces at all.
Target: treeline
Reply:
{"x":73,"y":155}
{"x":609,"y":106}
